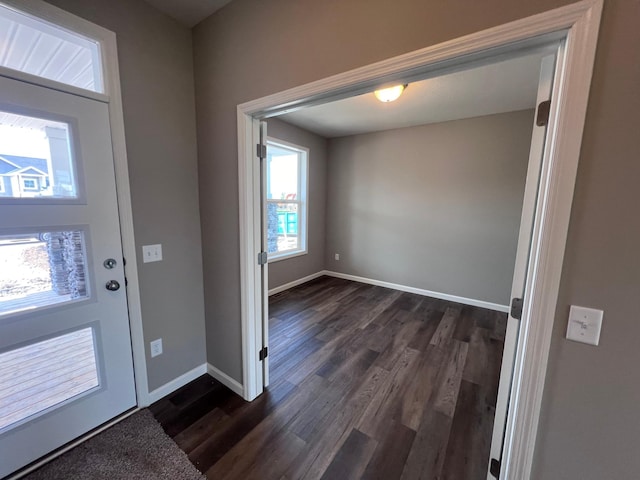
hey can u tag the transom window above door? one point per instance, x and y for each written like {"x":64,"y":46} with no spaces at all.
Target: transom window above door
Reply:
{"x":286,"y":194}
{"x":36,"y":47}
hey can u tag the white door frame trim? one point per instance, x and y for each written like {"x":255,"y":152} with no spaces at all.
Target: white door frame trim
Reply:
{"x":112,"y":96}
{"x":578,"y":25}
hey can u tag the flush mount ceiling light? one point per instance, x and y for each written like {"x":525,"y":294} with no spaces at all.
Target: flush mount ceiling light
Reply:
{"x":390,"y":94}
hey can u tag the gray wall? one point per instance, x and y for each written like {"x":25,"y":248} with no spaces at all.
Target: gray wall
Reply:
{"x":156,"y":70}
{"x":590,"y":424}
{"x":285,"y":271}
{"x":435,"y":207}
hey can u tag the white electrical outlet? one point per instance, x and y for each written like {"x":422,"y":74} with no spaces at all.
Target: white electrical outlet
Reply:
{"x":151,"y":253}
{"x":156,"y":347}
{"x":337,"y":256}
{"x":584,"y":325}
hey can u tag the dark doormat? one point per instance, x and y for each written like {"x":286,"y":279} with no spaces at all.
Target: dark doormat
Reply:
{"x":134,"y":449}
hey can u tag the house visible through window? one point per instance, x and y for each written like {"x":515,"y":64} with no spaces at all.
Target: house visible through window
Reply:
{"x":36,"y":158}
{"x":286,"y":199}
{"x":29,"y":184}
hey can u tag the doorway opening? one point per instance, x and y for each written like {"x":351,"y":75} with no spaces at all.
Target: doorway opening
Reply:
{"x":575,"y":27}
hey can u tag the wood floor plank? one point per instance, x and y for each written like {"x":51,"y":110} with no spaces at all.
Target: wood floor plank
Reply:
{"x":216,"y":446}
{"x":352,"y":458}
{"x":314,"y":418}
{"x":366,"y":382}
{"x":450,"y":378}
{"x":427,"y":454}
{"x":249,"y":453}
{"x":200,"y":430}
{"x":500,"y":326}
{"x":390,"y":456}
{"x":468,"y":449}
{"x":314,"y":461}
{"x":430,"y":321}
{"x":296,"y":357}
{"x":484,"y":318}
{"x":387,"y":403}
{"x":446,"y":327}
{"x":477,"y":366}
{"x":381,"y":304}
{"x":464,"y":325}
{"x":417,"y":393}
{"x":275,"y":458}
{"x":182,"y":418}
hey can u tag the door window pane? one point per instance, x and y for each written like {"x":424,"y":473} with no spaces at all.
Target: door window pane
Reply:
{"x":41,"y":269}
{"x":30,"y":45}
{"x":39,"y":376}
{"x":36,"y":159}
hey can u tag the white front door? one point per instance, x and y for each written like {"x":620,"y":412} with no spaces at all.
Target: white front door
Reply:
{"x":65,"y":350}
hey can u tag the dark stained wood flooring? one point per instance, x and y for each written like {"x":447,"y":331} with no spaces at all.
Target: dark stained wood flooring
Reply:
{"x":366,"y":382}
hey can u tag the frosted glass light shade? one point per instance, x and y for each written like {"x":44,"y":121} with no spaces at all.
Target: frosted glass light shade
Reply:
{"x":389,"y":94}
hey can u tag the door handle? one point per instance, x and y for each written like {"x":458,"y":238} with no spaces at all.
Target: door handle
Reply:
{"x":109,"y":263}
{"x":112,"y":285}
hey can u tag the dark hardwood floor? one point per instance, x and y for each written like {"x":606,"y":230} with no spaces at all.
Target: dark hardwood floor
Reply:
{"x":366,"y":382}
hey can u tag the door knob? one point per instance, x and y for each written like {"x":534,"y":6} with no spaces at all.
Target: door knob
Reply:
{"x":112,"y":285}
{"x":109,"y":263}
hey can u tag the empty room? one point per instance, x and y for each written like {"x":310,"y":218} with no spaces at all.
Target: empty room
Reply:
{"x":293,"y":239}
{"x":391,"y":230}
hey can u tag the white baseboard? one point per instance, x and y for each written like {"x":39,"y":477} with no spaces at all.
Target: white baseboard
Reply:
{"x":295,"y":283}
{"x":176,"y":383}
{"x":419,"y":291}
{"x":226,"y":380}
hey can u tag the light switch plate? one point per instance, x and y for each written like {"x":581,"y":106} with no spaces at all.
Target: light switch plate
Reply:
{"x":156,"y":347}
{"x":151,"y":253}
{"x":584,"y":325}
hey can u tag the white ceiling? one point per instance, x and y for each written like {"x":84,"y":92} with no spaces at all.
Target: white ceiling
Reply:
{"x":189,"y":12}
{"x":506,"y":86}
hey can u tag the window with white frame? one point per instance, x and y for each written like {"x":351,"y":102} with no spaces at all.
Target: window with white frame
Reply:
{"x":286,"y":193}
{"x":36,"y":47}
{"x":29,"y":183}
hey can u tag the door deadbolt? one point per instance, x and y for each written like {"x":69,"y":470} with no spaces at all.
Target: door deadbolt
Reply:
{"x":112,"y":285}
{"x":109,"y":263}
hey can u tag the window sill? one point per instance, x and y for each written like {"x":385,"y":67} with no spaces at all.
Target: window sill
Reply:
{"x":286,"y":255}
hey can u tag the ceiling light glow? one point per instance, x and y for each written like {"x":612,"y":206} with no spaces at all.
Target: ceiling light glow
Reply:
{"x":390,"y":94}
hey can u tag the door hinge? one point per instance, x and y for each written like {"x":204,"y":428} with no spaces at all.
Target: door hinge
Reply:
{"x":262,"y":258}
{"x":542,"y":118}
{"x":264,"y":353}
{"x":494,"y":468}
{"x":261,"y":150}
{"x":516,"y":308}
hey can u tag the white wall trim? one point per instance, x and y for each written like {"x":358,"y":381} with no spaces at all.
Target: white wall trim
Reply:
{"x":419,"y":291}
{"x":225,"y":379}
{"x":569,"y":101}
{"x":113,"y":96}
{"x":125,"y":210}
{"x":577,"y":25}
{"x":176,"y":383}
{"x":297,"y":282}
